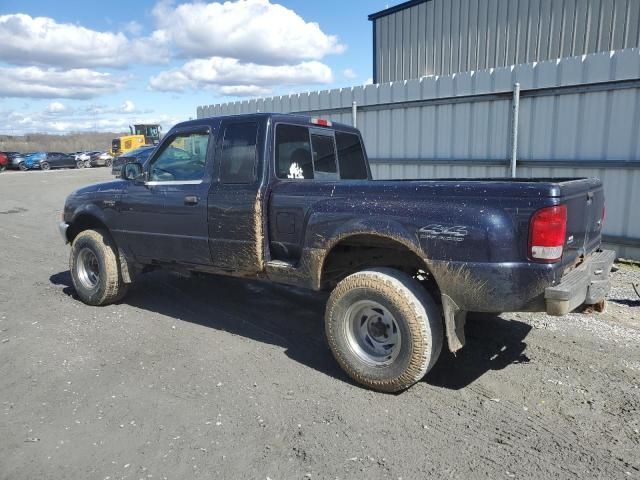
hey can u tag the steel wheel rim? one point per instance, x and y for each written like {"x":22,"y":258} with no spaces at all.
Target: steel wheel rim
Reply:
{"x":88,"y":268}
{"x":372,"y":333}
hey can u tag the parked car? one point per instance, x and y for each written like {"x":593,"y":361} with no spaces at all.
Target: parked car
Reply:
{"x":290,"y":199}
{"x":57,"y":160}
{"x":15,"y":159}
{"x":83,"y":159}
{"x":101,"y":159}
{"x":139,"y":155}
{"x":4,"y":161}
{"x":31,"y":161}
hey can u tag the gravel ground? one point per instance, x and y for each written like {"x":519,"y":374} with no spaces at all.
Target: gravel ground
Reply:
{"x":220,"y":378}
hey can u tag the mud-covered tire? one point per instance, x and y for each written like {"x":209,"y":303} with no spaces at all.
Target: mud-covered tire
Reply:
{"x":108,"y":287}
{"x":417,"y":317}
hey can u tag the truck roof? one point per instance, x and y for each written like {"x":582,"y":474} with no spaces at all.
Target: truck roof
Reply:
{"x":274,"y":117}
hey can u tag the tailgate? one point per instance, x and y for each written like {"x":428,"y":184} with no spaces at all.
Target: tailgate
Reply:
{"x":585,"y":208}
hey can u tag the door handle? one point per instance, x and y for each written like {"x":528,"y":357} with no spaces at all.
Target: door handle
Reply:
{"x":190,"y":200}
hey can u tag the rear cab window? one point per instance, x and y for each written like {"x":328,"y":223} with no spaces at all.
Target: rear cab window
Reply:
{"x":308,"y":153}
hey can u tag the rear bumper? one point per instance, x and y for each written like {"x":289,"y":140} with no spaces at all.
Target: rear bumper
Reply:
{"x":587,"y":284}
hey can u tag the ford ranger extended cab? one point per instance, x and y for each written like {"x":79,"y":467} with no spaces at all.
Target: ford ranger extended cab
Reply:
{"x":290,"y":199}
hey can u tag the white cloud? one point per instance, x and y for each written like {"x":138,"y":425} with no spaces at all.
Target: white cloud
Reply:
{"x":231,"y":77}
{"x":30,"y":40}
{"x":56,"y":107}
{"x":35,"y":82}
{"x":133,"y":27}
{"x":244,"y":90}
{"x":128,"y":107}
{"x":369,"y":81}
{"x":21,"y":122}
{"x":349,"y":73}
{"x":255,"y":31}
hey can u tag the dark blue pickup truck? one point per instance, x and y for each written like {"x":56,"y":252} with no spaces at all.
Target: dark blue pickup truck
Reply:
{"x":290,"y":199}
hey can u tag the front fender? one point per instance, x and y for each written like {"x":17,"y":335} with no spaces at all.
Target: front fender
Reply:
{"x":86,"y":211}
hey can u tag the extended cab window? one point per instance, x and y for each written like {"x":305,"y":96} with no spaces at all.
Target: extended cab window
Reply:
{"x":182,"y":160}
{"x":351,"y":157}
{"x":293,"y":152}
{"x":324,"y":156}
{"x":239,"y":154}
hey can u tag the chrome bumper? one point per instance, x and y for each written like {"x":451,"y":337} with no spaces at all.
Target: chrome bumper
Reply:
{"x":587,"y":284}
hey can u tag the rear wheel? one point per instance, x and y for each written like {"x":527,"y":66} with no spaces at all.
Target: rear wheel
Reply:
{"x":45,"y":166}
{"x":87,"y":164}
{"x":95,"y":268}
{"x":108,"y":162}
{"x":79,"y":164}
{"x":383,"y":328}
{"x":22,"y":166}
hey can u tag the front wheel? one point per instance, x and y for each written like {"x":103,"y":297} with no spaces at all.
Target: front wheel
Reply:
{"x":45,"y":166}
{"x":79,"y":164}
{"x":108,"y":162}
{"x":95,"y":268}
{"x":23,"y":166}
{"x":383,"y":328}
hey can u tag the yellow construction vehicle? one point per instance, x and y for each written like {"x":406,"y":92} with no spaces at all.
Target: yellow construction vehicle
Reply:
{"x":126,"y":143}
{"x":150,"y":131}
{"x":141,"y":135}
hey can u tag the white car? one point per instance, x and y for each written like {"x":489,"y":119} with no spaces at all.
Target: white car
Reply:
{"x":83,"y":159}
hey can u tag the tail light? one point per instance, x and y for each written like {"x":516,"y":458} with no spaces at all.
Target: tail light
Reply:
{"x":547,"y":234}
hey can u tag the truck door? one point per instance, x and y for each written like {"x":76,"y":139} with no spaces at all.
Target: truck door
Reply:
{"x":165,"y":218}
{"x":235,"y":214}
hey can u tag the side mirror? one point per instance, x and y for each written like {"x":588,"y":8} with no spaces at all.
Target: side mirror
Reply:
{"x":133,"y":172}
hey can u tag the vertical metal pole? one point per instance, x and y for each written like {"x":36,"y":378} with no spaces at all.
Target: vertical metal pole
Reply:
{"x":514,"y":128}
{"x":354,"y":114}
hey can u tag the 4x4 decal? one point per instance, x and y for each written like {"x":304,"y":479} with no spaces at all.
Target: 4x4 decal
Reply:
{"x":437,"y":231}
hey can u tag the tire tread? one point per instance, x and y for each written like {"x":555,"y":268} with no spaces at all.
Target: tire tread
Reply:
{"x":422,"y":316}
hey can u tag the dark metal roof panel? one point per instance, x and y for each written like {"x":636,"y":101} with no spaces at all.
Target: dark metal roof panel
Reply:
{"x":396,"y":8}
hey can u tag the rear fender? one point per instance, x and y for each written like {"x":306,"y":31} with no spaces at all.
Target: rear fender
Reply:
{"x":323,"y":234}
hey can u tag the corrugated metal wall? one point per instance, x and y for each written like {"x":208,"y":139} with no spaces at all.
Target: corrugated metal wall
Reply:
{"x":579,"y":116}
{"x":440,"y":37}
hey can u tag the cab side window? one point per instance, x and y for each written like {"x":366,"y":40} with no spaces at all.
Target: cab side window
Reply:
{"x":239,"y":154}
{"x":182,"y":160}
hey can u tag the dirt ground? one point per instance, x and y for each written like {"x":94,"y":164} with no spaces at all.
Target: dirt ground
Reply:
{"x":227,"y":379}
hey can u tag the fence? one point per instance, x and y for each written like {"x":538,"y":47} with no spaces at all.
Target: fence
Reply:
{"x":578,"y":116}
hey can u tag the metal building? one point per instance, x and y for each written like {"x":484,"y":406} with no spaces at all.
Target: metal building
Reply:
{"x":441,"y":37}
{"x":449,"y":74}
